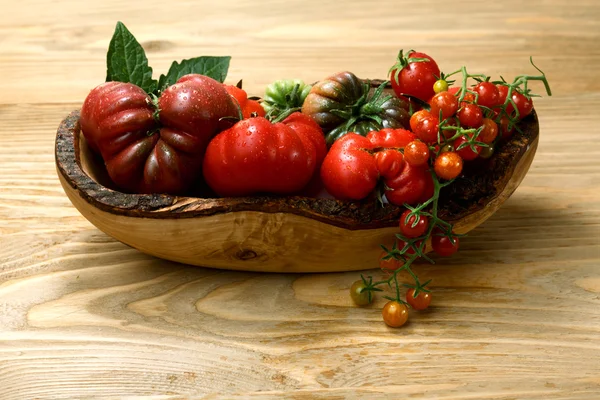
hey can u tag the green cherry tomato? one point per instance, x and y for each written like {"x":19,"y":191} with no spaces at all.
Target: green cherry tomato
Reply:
{"x":359,"y":294}
{"x":440,"y":86}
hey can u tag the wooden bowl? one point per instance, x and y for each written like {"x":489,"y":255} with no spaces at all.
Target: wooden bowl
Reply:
{"x":275,"y":234}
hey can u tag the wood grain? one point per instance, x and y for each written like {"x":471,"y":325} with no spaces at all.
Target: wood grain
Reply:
{"x":515,"y":313}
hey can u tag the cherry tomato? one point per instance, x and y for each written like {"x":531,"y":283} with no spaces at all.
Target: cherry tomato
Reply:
{"x":486,"y":152}
{"x":444,"y":102}
{"x":419,"y":302}
{"x":524,"y":105}
{"x":389,"y":162}
{"x":488,"y":132}
{"x":502,"y":93}
{"x":466,"y":153}
{"x":416,"y":78}
{"x":440,"y":86}
{"x":389,"y":265}
{"x":503,"y":128}
{"x":417,"y":117}
{"x":488,"y":94}
{"x":470,"y":115}
{"x":427,"y":129}
{"x":416,"y":153}
{"x":407,"y":228}
{"x":395,"y":314}
{"x":443,"y":246}
{"x":428,"y":190}
{"x":447,"y":147}
{"x":448,"y":165}
{"x":359,"y":294}
{"x":411,"y":250}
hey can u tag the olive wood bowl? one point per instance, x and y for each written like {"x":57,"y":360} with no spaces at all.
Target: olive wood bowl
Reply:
{"x":271,"y":233}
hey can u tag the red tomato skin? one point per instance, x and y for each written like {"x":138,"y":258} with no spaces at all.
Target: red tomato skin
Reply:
{"x":417,"y":78}
{"x":349,"y":171}
{"x":407,"y":187}
{"x":248,"y":107}
{"x":256,"y":156}
{"x":390,"y":138}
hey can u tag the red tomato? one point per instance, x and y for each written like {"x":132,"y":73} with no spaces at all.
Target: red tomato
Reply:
{"x":416,"y":153}
{"x":488,"y":94}
{"x":470,"y":115}
{"x":466,"y":153}
{"x":407,"y":228}
{"x":388,"y":137}
{"x":443,"y":246}
{"x":391,"y":264}
{"x":389,"y":162}
{"x":419,"y":302}
{"x":488,"y":132}
{"x":248,"y":107}
{"x":448,"y":165}
{"x":417,"y":117}
{"x":349,"y":171}
{"x":415,"y":78}
{"x":394,"y":314}
{"x":408,"y":186}
{"x":524,"y":105}
{"x":427,"y":129}
{"x":444,"y":102}
{"x":428,"y":190}
{"x":142,"y":155}
{"x":257,"y":156}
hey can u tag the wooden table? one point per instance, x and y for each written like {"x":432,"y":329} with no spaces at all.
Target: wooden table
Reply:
{"x":516,"y":314}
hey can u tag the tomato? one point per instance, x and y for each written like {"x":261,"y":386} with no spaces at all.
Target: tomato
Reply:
{"x":428,"y":190}
{"x":489,"y":132}
{"x":145,"y":156}
{"x":411,"y":250}
{"x":395,"y":314}
{"x":417,"y":117}
{"x":486,"y":152}
{"x":419,"y":302}
{"x":488,"y":94}
{"x":257,"y":156}
{"x":415,"y":78}
{"x":523,"y":104}
{"x":443,"y":246}
{"x":248,"y":107}
{"x":349,"y":171}
{"x":283,"y":95}
{"x":408,"y":186}
{"x":390,"y":138}
{"x":416,"y":153}
{"x":389,"y":265}
{"x":363,"y":112}
{"x":407,"y":228}
{"x":503,"y":128}
{"x":466,"y":153}
{"x":502,"y":93}
{"x":445,"y":103}
{"x":427,"y":129}
{"x":470,"y":115}
{"x":389,"y":162}
{"x":440,"y":86}
{"x":359,"y":294}
{"x":448,"y":165}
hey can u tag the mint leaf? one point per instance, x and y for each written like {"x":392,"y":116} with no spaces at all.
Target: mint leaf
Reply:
{"x":214,"y":67}
{"x":126,"y":60}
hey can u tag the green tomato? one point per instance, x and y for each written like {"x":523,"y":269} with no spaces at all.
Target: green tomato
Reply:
{"x":283,"y":95}
{"x":359,"y":295}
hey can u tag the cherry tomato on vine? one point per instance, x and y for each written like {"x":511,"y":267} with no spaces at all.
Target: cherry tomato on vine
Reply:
{"x":488,"y":132}
{"x":417,"y":117}
{"x":448,"y":165}
{"x":443,"y":246}
{"x":470,"y":115}
{"x":524,"y":105}
{"x":427,"y":129}
{"x":488,"y":94}
{"x":440,"y":86}
{"x":466,"y":153}
{"x":359,"y":294}
{"x":407,"y":228}
{"x":502,"y":93}
{"x":414,"y":78}
{"x":503,"y":128}
{"x":416,"y":153}
{"x":444,"y":102}
{"x":394,"y":314}
{"x":389,"y":265}
{"x":412,"y":249}
{"x":486,"y":152}
{"x":419,"y":302}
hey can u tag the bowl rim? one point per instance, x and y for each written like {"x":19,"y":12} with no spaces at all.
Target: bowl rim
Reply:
{"x":352,"y":215}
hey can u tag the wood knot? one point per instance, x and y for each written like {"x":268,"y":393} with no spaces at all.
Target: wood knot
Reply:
{"x":246,"y":254}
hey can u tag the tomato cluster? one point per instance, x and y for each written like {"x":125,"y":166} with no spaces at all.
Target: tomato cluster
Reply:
{"x":343,"y":135}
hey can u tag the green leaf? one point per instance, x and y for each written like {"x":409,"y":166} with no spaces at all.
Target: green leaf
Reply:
{"x":213,"y":67}
{"x":126,"y":60}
